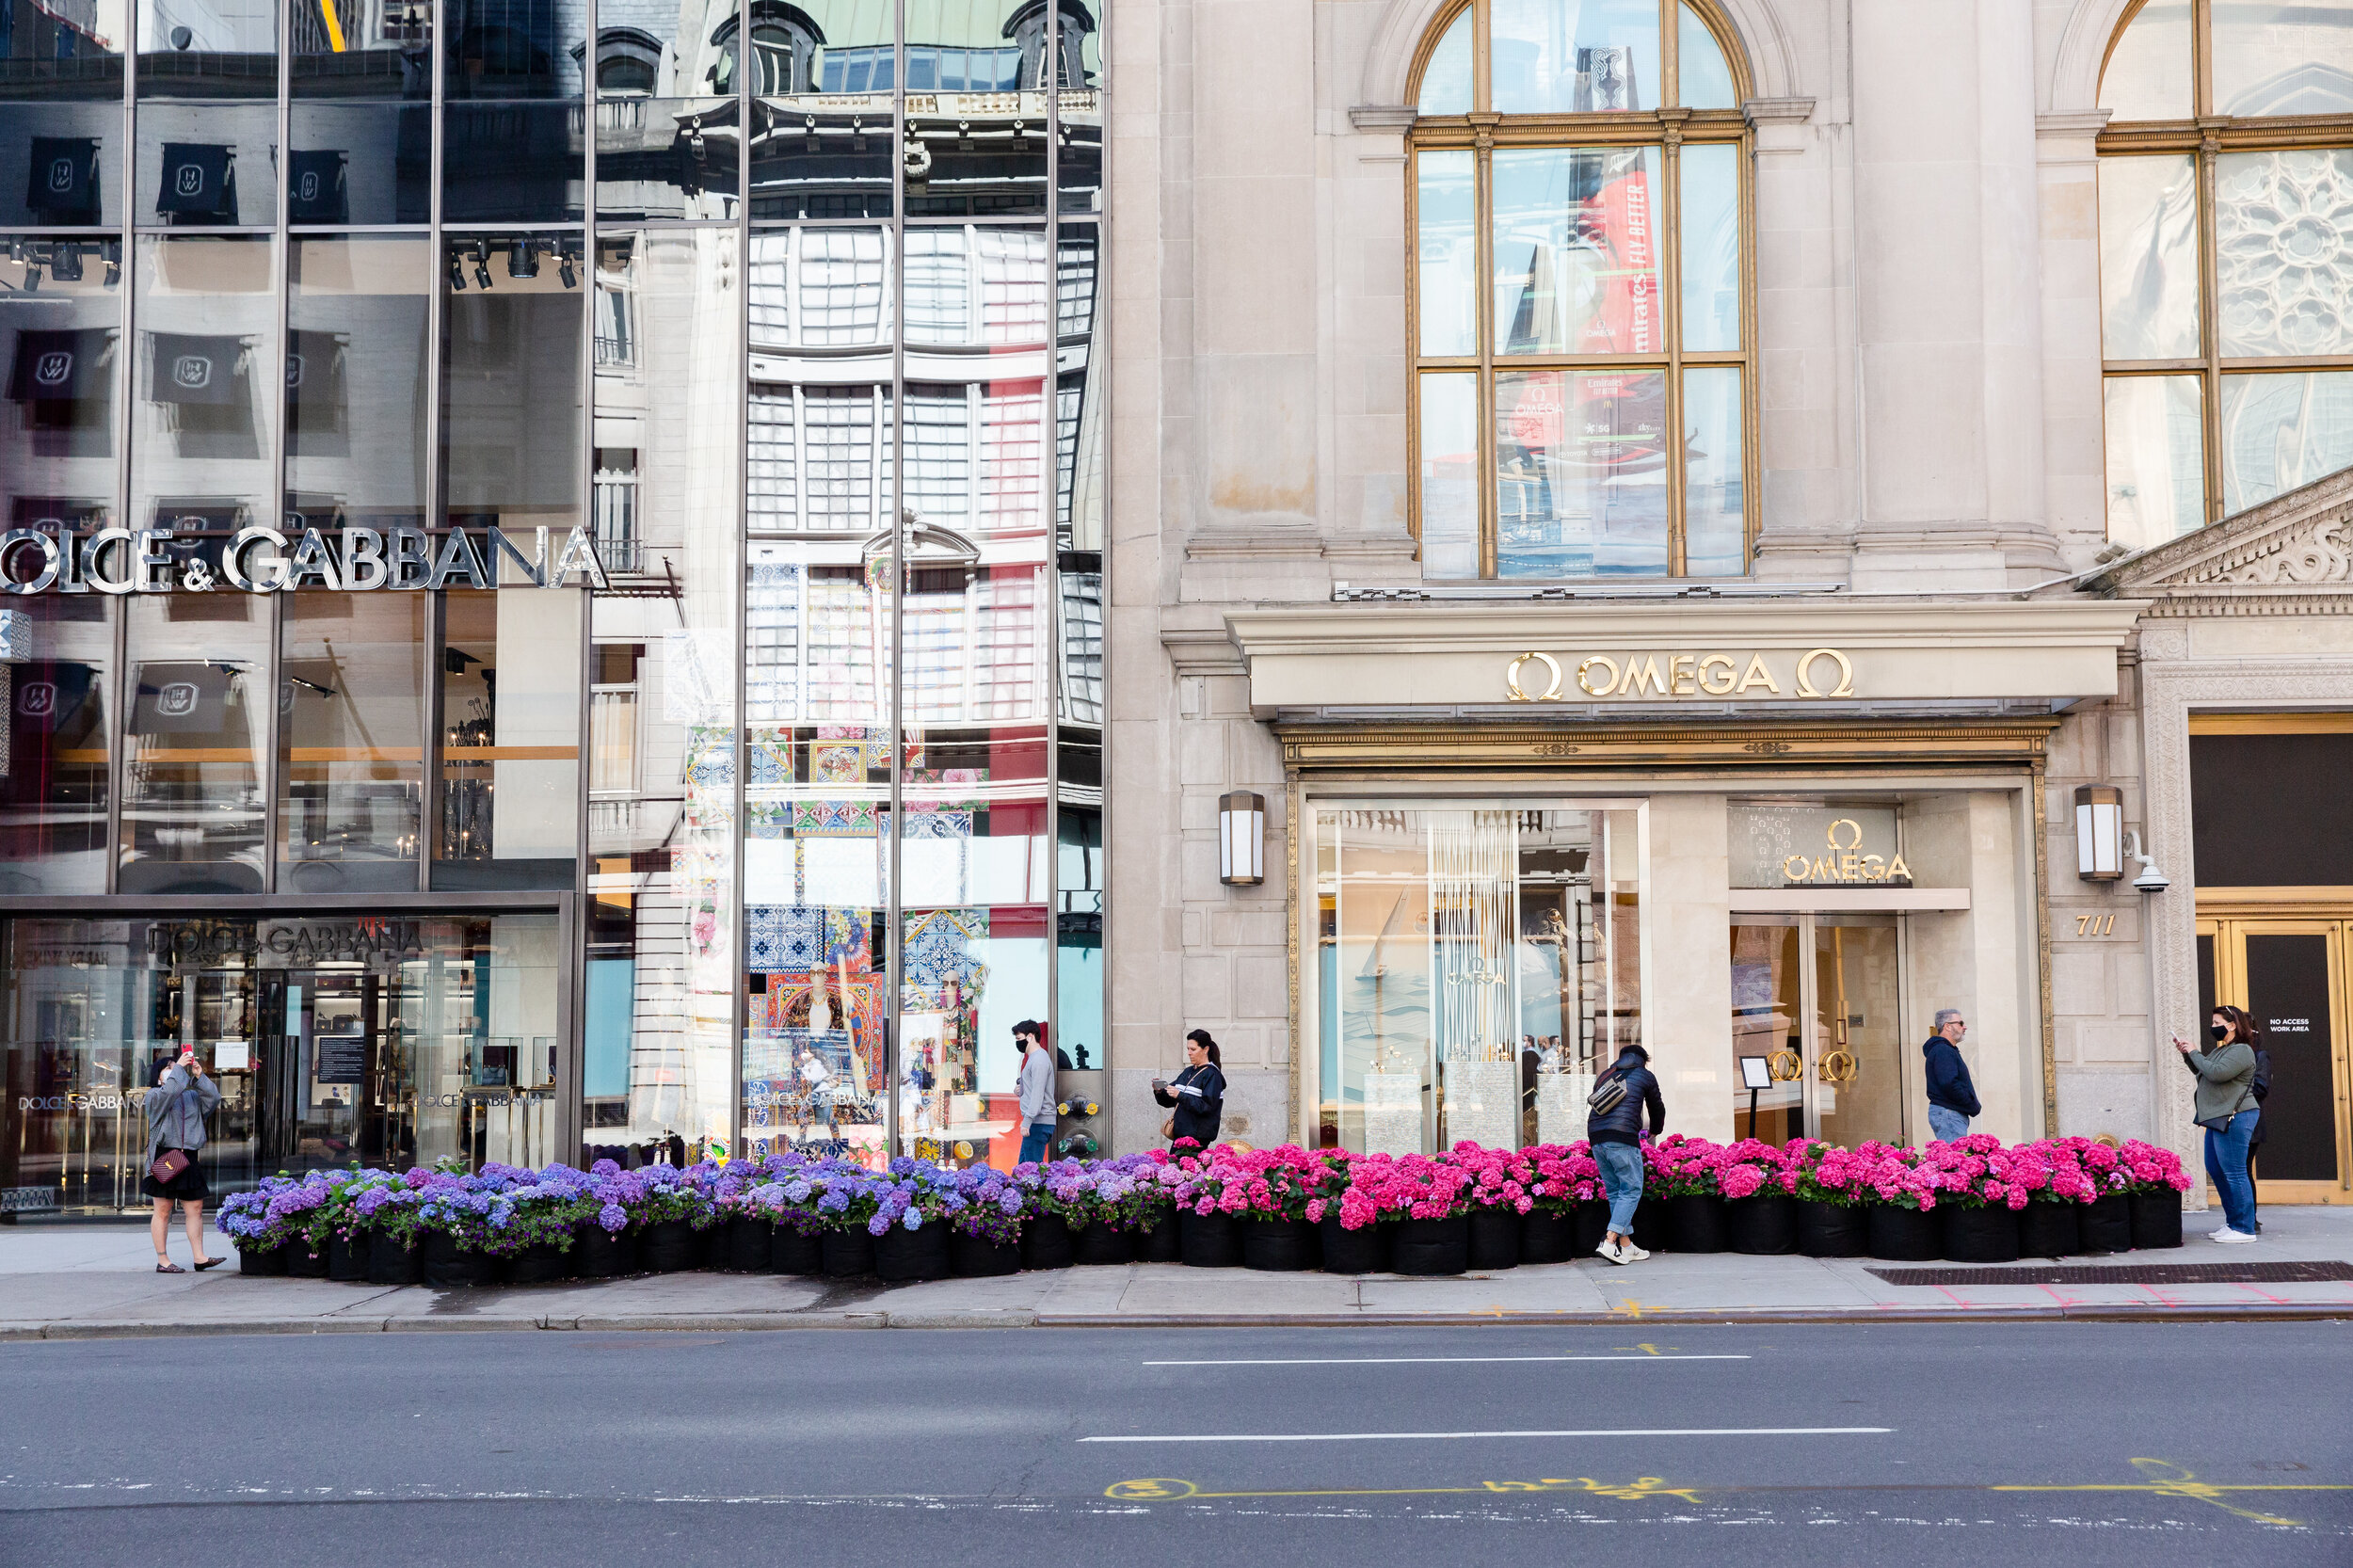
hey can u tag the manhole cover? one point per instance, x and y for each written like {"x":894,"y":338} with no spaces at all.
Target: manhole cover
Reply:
{"x":2129,"y":1274}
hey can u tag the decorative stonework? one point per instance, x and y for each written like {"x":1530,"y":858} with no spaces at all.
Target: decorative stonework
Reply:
{"x":2267,"y":560}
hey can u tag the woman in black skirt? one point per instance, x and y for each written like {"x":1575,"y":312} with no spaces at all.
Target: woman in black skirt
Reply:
{"x":176,"y":1108}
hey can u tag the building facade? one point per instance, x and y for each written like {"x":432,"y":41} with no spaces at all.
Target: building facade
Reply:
{"x":659,"y":606}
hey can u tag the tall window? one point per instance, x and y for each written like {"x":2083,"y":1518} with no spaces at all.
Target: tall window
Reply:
{"x":2226,"y":258}
{"x":1587,"y":410}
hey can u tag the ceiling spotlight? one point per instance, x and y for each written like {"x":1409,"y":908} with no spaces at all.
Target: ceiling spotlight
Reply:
{"x":65,"y":264}
{"x":482,"y":263}
{"x":522,"y":259}
{"x":456,"y":273}
{"x":564,"y":271}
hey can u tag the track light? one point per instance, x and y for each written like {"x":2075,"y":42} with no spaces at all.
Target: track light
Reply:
{"x":482,"y":263}
{"x":564,"y":270}
{"x":65,"y":264}
{"x":522,"y":259}
{"x":456,"y":273}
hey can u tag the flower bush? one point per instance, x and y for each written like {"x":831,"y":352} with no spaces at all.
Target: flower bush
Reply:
{"x":1403,"y":1187}
{"x":1824,"y":1173}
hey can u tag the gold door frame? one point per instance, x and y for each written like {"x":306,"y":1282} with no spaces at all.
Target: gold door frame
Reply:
{"x":2230,"y":915}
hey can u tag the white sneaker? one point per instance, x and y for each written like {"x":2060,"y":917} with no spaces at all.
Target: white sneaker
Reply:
{"x":2228,"y":1236}
{"x":1614,"y":1251}
{"x":1633,"y":1253}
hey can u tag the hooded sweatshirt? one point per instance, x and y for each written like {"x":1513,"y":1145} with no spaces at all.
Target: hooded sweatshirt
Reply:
{"x":1623,"y":1122}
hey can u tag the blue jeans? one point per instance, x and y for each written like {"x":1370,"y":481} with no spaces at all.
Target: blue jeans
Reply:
{"x":1622,"y":1178}
{"x":2226,"y":1166}
{"x":1946,"y":1125}
{"x":1037,"y":1142}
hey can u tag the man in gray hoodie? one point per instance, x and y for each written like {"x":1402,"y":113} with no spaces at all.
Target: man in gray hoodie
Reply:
{"x":1036,"y":1086}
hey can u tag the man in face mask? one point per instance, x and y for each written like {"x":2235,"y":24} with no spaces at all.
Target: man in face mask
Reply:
{"x":1952,"y":1098}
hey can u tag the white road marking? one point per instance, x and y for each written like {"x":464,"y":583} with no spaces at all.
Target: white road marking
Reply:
{"x":1451,"y":1436}
{"x":1431,"y":1360}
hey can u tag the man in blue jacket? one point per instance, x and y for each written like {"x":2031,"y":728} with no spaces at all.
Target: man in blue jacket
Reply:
{"x":1952,"y":1098}
{"x":1615,"y":1133}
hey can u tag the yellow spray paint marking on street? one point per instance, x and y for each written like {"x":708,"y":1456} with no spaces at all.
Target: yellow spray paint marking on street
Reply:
{"x":1163,"y":1489}
{"x":2181,"y":1483}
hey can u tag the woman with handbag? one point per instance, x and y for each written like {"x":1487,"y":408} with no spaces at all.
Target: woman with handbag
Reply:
{"x":1196,"y":1096}
{"x":176,"y":1108}
{"x":2226,"y":1107}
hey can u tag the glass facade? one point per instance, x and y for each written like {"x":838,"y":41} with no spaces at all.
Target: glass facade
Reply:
{"x":627,"y":512}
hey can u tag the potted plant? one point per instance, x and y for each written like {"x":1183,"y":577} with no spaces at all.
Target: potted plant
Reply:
{"x":1276,"y":1186}
{"x":1760,"y":1210}
{"x":608,"y":1239}
{"x":986,"y":1233}
{"x":1500,"y":1200}
{"x":387,"y":1209}
{"x":1567,"y":1193}
{"x":261,"y":1231}
{"x":1829,"y":1187}
{"x":2157,"y":1182}
{"x":1682,"y":1172}
{"x":2057,"y":1191}
{"x":338,"y":1223}
{"x":1072,"y":1204}
{"x":1429,"y":1201}
{"x":1352,"y":1237}
{"x":910,"y":1221}
{"x":1901,"y":1207}
{"x":1978,"y":1188}
{"x":534,"y":1219}
{"x":846,"y":1200}
{"x":2106,"y":1225}
{"x":673,"y":1211}
{"x":455,"y":1220}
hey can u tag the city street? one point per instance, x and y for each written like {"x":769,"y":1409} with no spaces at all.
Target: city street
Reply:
{"x":2069,"y":1443}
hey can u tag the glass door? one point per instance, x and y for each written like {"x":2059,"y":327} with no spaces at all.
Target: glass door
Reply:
{"x":2290,"y":975}
{"x":1817,"y":998}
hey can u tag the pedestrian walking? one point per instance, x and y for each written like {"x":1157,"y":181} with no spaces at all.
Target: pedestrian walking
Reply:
{"x":2225,"y":1106}
{"x":2261,"y":1089}
{"x":1197,"y":1096}
{"x":177,"y":1104}
{"x":1613,"y":1128}
{"x":1952,"y":1097}
{"x":1036,"y":1086}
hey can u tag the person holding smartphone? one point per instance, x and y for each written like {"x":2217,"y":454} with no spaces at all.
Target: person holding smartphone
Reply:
{"x":1197,"y":1096}
{"x":2225,"y":1105}
{"x":182,"y":1097}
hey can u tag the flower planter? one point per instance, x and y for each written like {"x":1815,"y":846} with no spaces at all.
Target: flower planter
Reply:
{"x":1902,"y":1235}
{"x":1978,"y":1235}
{"x":450,"y":1267}
{"x":1431,"y":1246}
{"x":669,"y":1246}
{"x":302,"y":1263}
{"x":713,"y":1245}
{"x":541,"y":1263}
{"x":1276,"y":1246}
{"x":1764,"y":1224}
{"x":2107,"y":1224}
{"x":1046,"y":1242}
{"x":796,"y":1252}
{"x":1100,"y":1243}
{"x":1592,"y":1220}
{"x":749,"y":1237}
{"x":1157,"y":1243}
{"x":1495,"y":1239}
{"x":347,"y":1259}
{"x":849,"y":1253}
{"x":1654,"y":1224}
{"x":2157,"y":1219}
{"x":1833,"y":1229}
{"x":901,"y":1253}
{"x":1546,"y":1237}
{"x":603,"y":1255}
{"x":1207,"y":1240}
{"x":391,"y":1261}
{"x":1364,"y":1251}
{"x":263,"y":1262}
{"x":1698,"y":1222}
{"x":975,"y":1257}
{"x":2051,"y":1230}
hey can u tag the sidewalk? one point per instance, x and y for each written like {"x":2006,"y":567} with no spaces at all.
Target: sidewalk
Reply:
{"x":92,"y":1282}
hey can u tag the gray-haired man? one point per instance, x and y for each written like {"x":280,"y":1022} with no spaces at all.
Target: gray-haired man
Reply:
{"x":1952,"y":1098}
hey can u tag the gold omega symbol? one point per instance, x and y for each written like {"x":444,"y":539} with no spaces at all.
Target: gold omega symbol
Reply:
{"x":1512,"y":678}
{"x":1805,"y":677}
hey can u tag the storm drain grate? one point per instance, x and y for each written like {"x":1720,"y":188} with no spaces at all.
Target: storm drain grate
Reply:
{"x":2130,"y":1274}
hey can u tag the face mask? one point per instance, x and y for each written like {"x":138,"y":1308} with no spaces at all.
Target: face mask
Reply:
{"x":2220,"y":1032}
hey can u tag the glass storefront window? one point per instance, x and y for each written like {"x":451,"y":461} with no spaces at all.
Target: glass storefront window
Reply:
{"x":53,"y":793}
{"x":195,"y":777}
{"x":2282,"y":431}
{"x":206,"y":165}
{"x":1477,"y":965}
{"x":61,"y":338}
{"x":513,"y":307}
{"x":351,"y":733}
{"x":379,"y":51}
{"x":509,"y":798}
{"x":207,"y":49}
{"x":71,"y":156}
{"x":207,"y":365}
{"x":356,"y":381}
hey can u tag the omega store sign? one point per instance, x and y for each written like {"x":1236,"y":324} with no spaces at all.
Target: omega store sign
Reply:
{"x":57,"y":559}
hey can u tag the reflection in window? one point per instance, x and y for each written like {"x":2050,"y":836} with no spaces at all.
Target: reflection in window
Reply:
{"x":207,"y":49}
{"x":355,"y":378}
{"x":53,"y":797}
{"x":198,"y":696}
{"x":351,"y":728}
{"x":208,"y":379}
{"x":2280,"y":432}
{"x":2148,"y":74}
{"x":2155,"y":472}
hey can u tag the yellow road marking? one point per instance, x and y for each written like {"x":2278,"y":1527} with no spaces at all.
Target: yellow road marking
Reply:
{"x":2181,"y":1483}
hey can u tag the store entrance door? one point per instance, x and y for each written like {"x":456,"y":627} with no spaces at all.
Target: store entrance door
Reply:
{"x":2291,"y":976}
{"x":1819,"y":998}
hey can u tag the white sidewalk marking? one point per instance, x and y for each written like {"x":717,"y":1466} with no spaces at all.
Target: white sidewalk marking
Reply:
{"x":1430,"y":1360}
{"x":1449,"y":1436}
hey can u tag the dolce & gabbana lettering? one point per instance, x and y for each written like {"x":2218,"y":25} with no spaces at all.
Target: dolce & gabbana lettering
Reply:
{"x":261,"y":560}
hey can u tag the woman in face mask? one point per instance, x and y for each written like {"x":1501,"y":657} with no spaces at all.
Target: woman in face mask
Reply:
{"x":2226,"y":1108}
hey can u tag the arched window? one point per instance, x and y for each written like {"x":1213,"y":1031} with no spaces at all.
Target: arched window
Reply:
{"x":2226,"y":258}
{"x":1586,"y":411}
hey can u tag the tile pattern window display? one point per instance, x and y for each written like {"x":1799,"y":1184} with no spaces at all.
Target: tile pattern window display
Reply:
{"x":2226,"y":285}
{"x":1585,"y":383}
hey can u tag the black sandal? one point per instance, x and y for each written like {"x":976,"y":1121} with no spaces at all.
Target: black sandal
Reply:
{"x":170,"y":1269}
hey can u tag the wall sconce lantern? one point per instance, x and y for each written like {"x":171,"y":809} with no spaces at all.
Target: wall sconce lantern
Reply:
{"x":2099,"y":833}
{"x":1241,"y":838}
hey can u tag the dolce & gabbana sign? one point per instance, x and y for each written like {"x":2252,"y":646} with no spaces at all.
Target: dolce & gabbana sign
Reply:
{"x":1821,"y":672}
{"x":265,"y":561}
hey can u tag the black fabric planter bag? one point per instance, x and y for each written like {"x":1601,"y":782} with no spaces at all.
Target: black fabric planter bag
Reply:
{"x":1593,"y":1226}
{"x":1978,"y":1235}
{"x":849,"y":1253}
{"x":1100,"y":1243}
{"x":1207,"y":1240}
{"x":302,"y":1263}
{"x":715,"y":1244}
{"x":1699,"y":1223}
{"x":603,"y":1255}
{"x":542,"y":1263}
{"x":1547,"y":1237}
{"x":262,"y":1262}
{"x":1495,"y":1239}
{"x":1354,"y":1252}
{"x":347,"y":1260}
{"x":1763,"y":1225}
{"x":1833,"y":1229}
{"x":901,"y":1253}
{"x":796,"y":1252}
{"x":450,"y":1267}
{"x":1431,"y":1246}
{"x":1903,"y":1235}
{"x":749,"y":1237}
{"x":1047,"y":1243}
{"x":1654,"y":1224}
{"x":668,"y":1246}
{"x":2157,"y":1219}
{"x":975,"y":1259}
{"x":2050,"y":1230}
{"x":1157,"y":1243}
{"x":1276,"y":1246}
{"x":2107,"y":1224}
{"x":391,"y":1262}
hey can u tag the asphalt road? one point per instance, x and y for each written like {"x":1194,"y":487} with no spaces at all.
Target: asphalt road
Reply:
{"x":2133,"y":1445}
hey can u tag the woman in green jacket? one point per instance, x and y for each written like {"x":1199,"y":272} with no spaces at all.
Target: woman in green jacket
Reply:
{"x":2226,"y":1108}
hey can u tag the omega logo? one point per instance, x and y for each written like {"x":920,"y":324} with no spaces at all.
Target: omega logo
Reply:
{"x":1821,"y":672}
{"x":1842,"y":864}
